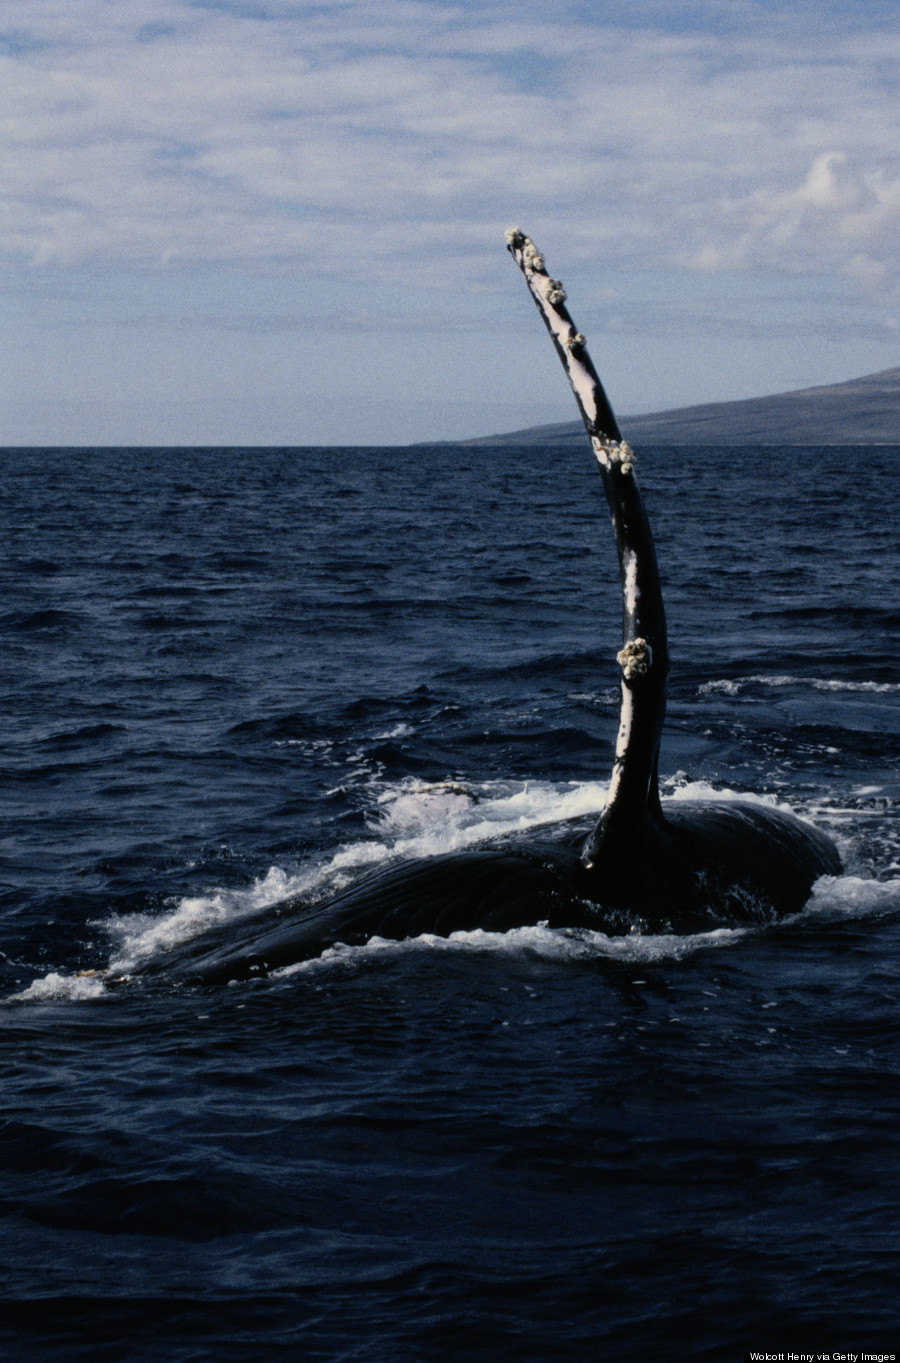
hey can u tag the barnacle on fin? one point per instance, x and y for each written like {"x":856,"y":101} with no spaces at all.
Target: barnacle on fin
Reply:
{"x":635,"y":659}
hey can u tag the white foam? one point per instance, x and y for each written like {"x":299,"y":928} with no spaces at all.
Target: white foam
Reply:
{"x":417,"y":804}
{"x":420,"y":820}
{"x":876,"y":688}
{"x":723,"y":687}
{"x":61,"y":988}
{"x":852,"y":896}
{"x":138,"y":937}
{"x":734,"y":686}
{"x":401,"y":730}
{"x":549,"y":944}
{"x":695,"y":792}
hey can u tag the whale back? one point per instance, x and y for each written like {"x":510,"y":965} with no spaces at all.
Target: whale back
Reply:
{"x":492,"y":888}
{"x":727,"y":862}
{"x":721,"y":863}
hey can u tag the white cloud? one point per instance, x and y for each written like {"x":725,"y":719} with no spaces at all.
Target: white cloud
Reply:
{"x":817,"y":224}
{"x":207,"y":176}
{"x":364,"y":137}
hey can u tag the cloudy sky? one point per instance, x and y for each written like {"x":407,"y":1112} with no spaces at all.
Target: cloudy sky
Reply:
{"x":281,"y":222}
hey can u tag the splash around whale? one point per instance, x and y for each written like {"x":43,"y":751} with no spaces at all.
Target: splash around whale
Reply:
{"x":642,"y":864}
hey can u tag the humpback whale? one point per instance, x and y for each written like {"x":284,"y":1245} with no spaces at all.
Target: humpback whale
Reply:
{"x":644,"y":863}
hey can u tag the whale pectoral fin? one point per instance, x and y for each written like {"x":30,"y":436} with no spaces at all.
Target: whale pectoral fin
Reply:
{"x":633,"y":799}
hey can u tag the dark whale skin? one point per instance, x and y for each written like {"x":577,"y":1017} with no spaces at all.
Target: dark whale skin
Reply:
{"x":717,"y":863}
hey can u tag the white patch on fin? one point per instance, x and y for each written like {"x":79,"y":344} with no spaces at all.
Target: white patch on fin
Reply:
{"x":631,"y":589}
{"x":550,"y":295}
{"x":623,"y":738}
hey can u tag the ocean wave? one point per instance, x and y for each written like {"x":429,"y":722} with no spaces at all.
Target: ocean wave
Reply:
{"x":734,"y":686}
{"x":22,"y":622}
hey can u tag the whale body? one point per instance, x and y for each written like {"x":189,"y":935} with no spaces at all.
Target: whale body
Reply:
{"x":643,"y":863}
{"x":721,"y":863}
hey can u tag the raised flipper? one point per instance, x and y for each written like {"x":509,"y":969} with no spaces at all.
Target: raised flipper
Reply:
{"x":664,"y":868}
{"x":631,"y":822}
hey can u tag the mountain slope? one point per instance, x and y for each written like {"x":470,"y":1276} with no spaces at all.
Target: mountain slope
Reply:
{"x":864,"y":411}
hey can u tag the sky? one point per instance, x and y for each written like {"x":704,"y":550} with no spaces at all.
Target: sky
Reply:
{"x":273,"y":222}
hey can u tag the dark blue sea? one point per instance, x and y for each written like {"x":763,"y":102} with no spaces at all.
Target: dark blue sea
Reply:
{"x":233,"y":676}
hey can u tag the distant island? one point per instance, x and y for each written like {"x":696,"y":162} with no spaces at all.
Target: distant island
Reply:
{"x":862,"y":411}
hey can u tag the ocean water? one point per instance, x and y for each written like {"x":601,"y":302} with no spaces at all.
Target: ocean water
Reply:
{"x":231,"y":676}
